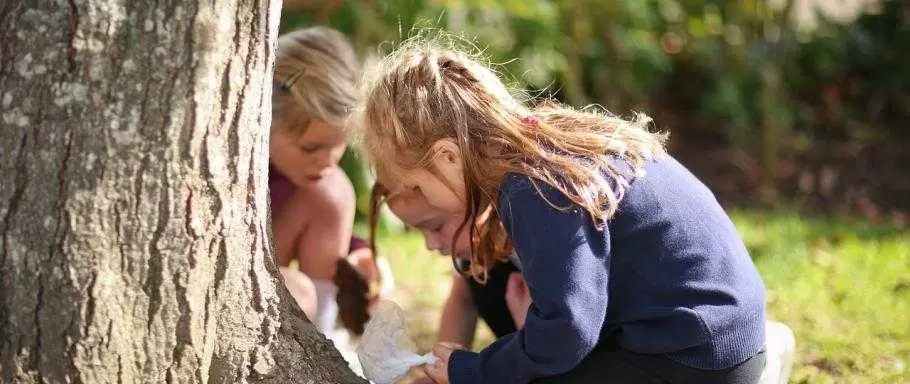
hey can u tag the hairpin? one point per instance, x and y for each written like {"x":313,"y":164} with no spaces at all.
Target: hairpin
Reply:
{"x":530,"y":120}
{"x":286,"y":86}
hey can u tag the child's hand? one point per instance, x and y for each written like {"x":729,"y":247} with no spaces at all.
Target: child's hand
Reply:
{"x":362,"y":260}
{"x":439,"y":371}
{"x":518,"y":298}
{"x":422,"y":380}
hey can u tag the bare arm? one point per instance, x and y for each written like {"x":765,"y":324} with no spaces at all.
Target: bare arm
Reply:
{"x":329,"y":219}
{"x":459,"y":316}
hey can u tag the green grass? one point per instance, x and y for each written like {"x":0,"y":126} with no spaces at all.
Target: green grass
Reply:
{"x":842,"y":285}
{"x":844,"y":288}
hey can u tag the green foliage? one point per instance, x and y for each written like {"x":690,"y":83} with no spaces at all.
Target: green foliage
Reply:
{"x":738,"y":70}
{"x":358,"y":172}
{"x":631,"y":54}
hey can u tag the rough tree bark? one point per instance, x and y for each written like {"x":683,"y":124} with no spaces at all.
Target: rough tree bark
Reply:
{"x":134,"y":243}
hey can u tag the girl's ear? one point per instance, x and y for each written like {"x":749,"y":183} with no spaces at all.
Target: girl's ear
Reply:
{"x":448,"y":162}
{"x":447,"y":155}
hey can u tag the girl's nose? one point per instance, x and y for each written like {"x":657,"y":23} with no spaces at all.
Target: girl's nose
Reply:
{"x":324,"y":159}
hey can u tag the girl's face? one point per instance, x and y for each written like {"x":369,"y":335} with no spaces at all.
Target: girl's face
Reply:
{"x":444,"y":188}
{"x":306,"y":158}
{"x":439,"y":193}
{"x":435,"y":224}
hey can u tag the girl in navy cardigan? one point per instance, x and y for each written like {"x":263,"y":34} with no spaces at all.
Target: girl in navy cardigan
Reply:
{"x":635,"y":272}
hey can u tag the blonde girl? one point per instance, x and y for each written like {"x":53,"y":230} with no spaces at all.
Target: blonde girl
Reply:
{"x":312,"y":200}
{"x":635,"y":272}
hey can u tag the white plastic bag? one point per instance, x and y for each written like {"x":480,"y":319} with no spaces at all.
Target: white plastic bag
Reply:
{"x":386,"y":351}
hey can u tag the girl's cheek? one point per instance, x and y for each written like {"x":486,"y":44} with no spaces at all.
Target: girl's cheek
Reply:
{"x":462,"y":243}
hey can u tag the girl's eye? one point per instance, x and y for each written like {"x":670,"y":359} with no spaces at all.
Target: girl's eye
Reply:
{"x":433,"y":228}
{"x":309,"y":149}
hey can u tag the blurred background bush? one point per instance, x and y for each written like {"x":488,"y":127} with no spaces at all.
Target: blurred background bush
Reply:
{"x":798,"y":101}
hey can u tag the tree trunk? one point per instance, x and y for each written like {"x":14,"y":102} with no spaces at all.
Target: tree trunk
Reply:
{"x":134,"y":233}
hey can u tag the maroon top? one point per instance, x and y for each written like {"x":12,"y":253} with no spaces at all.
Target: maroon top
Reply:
{"x":280,"y":191}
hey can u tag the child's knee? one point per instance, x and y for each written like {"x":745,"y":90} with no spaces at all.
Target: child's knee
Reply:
{"x":302,"y":290}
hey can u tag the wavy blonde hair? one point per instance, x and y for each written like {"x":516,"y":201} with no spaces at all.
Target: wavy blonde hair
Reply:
{"x":422,"y":93}
{"x":315,"y":78}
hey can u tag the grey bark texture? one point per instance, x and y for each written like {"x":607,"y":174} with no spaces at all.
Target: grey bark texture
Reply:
{"x":134,"y":240}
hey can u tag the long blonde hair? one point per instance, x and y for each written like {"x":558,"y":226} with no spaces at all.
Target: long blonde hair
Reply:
{"x":422,"y":93}
{"x":315,"y":78}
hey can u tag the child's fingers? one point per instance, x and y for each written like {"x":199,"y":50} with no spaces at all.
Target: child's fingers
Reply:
{"x":435,"y":372}
{"x":423,"y":380}
{"x":372,"y":301}
{"x":442,"y":352}
{"x":363,"y":261}
{"x":427,"y":370}
{"x":450,"y":344}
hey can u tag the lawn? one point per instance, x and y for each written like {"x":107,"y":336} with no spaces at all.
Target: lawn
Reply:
{"x":842,"y":285}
